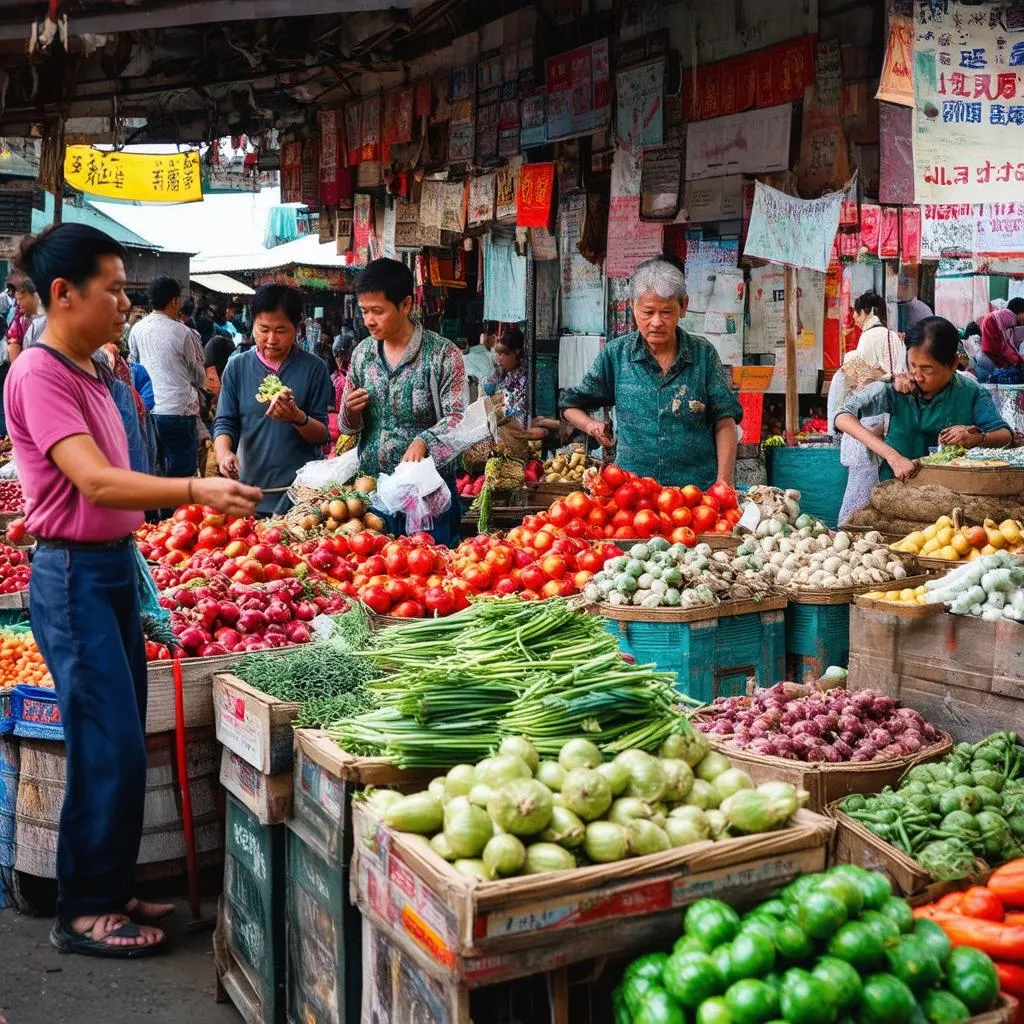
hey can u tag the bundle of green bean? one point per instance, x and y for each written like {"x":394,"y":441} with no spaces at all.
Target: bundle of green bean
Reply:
{"x":324,"y":677}
{"x":947,"y":814}
{"x":507,"y":668}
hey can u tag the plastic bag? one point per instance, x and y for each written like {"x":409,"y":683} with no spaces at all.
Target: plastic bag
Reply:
{"x":10,"y":471}
{"x":479,"y":424}
{"x":407,"y":489}
{"x":323,"y":472}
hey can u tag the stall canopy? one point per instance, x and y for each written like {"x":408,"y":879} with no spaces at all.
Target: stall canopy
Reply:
{"x":222,"y":284}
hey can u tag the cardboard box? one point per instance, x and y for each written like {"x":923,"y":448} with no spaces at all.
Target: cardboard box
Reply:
{"x":269,"y":797}
{"x":253,"y":725}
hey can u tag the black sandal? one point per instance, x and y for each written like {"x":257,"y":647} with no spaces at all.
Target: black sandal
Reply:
{"x":65,"y":940}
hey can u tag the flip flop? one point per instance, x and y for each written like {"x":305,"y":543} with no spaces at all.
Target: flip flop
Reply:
{"x":140,"y":918}
{"x":66,"y":940}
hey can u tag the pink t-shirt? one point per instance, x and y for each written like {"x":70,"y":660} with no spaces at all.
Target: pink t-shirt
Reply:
{"x":48,"y":399}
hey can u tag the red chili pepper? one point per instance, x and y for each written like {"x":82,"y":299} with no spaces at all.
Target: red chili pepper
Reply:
{"x":1001,"y":941}
{"x":981,"y":902}
{"x":951,"y":902}
{"x":1011,"y":978}
{"x":1007,"y":883}
{"x":1014,"y":917}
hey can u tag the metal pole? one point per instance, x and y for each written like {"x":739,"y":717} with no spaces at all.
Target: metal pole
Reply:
{"x":58,"y":175}
{"x":791,"y":318}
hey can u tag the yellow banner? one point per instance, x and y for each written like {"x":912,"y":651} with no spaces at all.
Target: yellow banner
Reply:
{"x":143,"y":177}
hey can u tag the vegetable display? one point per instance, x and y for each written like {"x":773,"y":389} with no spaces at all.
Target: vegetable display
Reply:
{"x":944,"y":456}
{"x":513,"y":813}
{"x":507,"y":667}
{"x":906,"y":597}
{"x":832,"y":727}
{"x":21,"y":661}
{"x":656,"y":575}
{"x":270,"y":386}
{"x":334,"y":510}
{"x":14,"y":569}
{"x":12,"y":499}
{"x":828,"y":948}
{"x":565,"y":468}
{"x":195,"y":528}
{"x":810,"y":558}
{"x":780,"y":512}
{"x":991,"y":588}
{"x":943,"y":539}
{"x":618,"y":504}
{"x":955,"y":815}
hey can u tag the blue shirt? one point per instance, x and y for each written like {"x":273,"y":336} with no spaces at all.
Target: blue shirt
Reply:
{"x":271,"y":452}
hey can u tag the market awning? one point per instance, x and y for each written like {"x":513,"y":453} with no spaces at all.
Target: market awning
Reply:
{"x":222,"y":284}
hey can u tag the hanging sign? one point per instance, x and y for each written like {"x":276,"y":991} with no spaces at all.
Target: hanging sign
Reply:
{"x":740,"y":144}
{"x":578,"y":85}
{"x":792,"y":231}
{"x":969,"y":98}
{"x":897,"y":81}
{"x":142,"y":177}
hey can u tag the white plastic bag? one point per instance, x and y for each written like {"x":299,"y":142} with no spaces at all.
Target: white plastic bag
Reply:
{"x":324,"y":472}
{"x":479,"y":424}
{"x":407,"y":489}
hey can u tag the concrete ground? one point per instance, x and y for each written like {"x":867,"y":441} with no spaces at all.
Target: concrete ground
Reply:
{"x":39,"y":986}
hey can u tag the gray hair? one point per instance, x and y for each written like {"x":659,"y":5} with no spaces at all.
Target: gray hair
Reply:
{"x":660,"y":277}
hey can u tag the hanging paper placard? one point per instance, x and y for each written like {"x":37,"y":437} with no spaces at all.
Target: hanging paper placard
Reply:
{"x":639,"y":106}
{"x":543,"y":245}
{"x":504,"y":283}
{"x":535,"y":196}
{"x":453,"y":206}
{"x":889,"y":240}
{"x":431,"y":203}
{"x":582,"y":281}
{"x":660,"y":177}
{"x":362,"y":228}
{"x":870,"y":228}
{"x":370,"y":127}
{"x":897,"y":81}
{"x":353,"y":144}
{"x":534,"y":130}
{"x":424,"y":98}
{"x":578,"y":91}
{"x":291,"y":172}
{"x":143,"y":177}
{"x":481,"y":199}
{"x":398,"y":114}
{"x":506,"y":185}
{"x":330,"y":156}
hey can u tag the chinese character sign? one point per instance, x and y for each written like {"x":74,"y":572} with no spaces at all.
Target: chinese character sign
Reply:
{"x":143,"y":177}
{"x":969,"y":102}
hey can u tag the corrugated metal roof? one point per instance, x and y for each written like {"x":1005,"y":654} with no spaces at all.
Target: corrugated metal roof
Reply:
{"x":306,"y":252}
{"x":222,"y":284}
{"x":88,"y":214}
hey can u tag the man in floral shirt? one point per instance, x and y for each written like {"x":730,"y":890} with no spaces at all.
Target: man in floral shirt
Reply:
{"x":405,"y":397}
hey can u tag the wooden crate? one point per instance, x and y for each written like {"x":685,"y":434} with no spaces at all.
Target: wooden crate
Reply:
{"x":269,"y":797}
{"x":481,"y":933}
{"x":855,"y":844}
{"x":963,"y":674}
{"x":253,"y":725}
{"x":825,"y":782}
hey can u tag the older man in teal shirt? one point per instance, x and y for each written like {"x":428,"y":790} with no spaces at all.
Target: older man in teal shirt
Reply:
{"x":675,"y":413}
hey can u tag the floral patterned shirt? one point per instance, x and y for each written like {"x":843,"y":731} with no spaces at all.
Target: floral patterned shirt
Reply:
{"x":512,"y":386}
{"x":423,"y":397}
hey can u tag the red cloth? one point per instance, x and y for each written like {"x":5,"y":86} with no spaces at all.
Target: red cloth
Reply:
{"x":535,"y":200}
{"x":996,"y":340}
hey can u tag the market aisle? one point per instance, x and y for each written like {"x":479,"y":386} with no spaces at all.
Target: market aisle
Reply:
{"x":40,"y":987}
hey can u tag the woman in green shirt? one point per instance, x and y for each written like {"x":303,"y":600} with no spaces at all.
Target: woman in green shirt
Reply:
{"x":935,"y":406}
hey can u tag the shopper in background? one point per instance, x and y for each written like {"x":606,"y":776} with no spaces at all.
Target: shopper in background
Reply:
{"x":479,"y":360}
{"x":30,"y":320}
{"x":267,"y":443}
{"x":942,"y":407}
{"x":82,"y":503}
{"x":675,"y":412}
{"x":406,"y":392}
{"x":187,"y":312}
{"x":217,"y":348}
{"x":8,"y":306}
{"x":170,"y":353}
{"x":998,"y":345}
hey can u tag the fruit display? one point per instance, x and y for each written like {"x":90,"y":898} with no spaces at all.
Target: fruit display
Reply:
{"x":828,"y":948}
{"x":806,"y":559}
{"x":458,"y":684}
{"x":990,"y":588}
{"x":195,"y":528}
{"x":618,"y":504}
{"x":955,"y":815}
{"x":565,"y":468}
{"x":943,"y":539}
{"x":334,"y":510}
{"x":908,"y":597}
{"x":835,"y":726}
{"x":657,"y":575}
{"x":215,"y":615}
{"x":469,"y":486}
{"x":21,"y":661}
{"x":14,"y":569}
{"x":513,"y":813}
{"x":11,"y":497}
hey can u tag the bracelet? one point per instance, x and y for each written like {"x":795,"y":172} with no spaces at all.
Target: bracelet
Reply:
{"x":305,"y":420}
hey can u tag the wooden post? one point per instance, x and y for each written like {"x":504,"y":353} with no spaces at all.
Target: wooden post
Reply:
{"x":558,"y":991}
{"x":792,"y":326}
{"x":58,"y":175}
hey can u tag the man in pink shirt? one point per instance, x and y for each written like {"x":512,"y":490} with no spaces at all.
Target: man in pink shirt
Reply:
{"x":997,"y":330}
{"x":82,"y":502}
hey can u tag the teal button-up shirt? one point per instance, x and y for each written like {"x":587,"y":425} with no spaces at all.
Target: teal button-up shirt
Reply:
{"x":665,"y":423}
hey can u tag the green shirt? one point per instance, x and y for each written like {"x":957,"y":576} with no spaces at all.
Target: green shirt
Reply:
{"x":916,"y":422}
{"x":665,"y":423}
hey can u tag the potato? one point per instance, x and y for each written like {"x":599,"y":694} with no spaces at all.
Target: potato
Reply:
{"x":356,"y":507}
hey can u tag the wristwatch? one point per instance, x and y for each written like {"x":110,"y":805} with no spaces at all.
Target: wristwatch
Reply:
{"x":302,"y":422}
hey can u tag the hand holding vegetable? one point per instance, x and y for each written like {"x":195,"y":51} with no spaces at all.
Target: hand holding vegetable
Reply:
{"x":965,"y":437}
{"x":283,"y":408}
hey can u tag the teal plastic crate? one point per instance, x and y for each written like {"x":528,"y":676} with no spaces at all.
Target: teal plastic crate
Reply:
{"x":324,"y":933}
{"x":815,"y":472}
{"x":254,"y":874}
{"x":817,"y":635}
{"x":711,"y":657}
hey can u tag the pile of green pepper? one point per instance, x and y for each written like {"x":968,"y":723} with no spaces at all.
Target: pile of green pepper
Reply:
{"x":952,"y":813}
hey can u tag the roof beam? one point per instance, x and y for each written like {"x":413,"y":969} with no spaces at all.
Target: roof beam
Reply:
{"x":204,"y":12}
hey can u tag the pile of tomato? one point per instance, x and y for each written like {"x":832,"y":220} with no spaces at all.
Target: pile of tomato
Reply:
{"x":21,"y":661}
{"x":195,"y":528}
{"x":619,"y":505}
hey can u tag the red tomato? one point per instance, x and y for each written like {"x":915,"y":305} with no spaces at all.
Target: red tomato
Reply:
{"x":189,"y":514}
{"x":478,"y":576}
{"x":543,"y":540}
{"x":408,"y":610}
{"x":645,"y":504}
{"x":439,"y":601}
{"x":579,"y":504}
{"x":582,"y":578}
{"x":396,"y":561}
{"x":239,"y":529}
{"x":621,"y":519}
{"x":375,"y":566}
{"x":554,"y":566}
{"x":722,"y":526}
{"x":506,"y":585}
{"x":376,"y":599}
{"x":704,"y":518}
{"x":669,"y":499}
{"x":692,"y":496}
{"x":590,"y":561}
{"x":553,"y":588}
{"x":724,"y":495}
{"x":559,"y":513}
{"x":682,"y":516}
{"x":625,"y":532}
{"x":422,"y":540}
{"x":362,"y":543}
{"x":613,"y":476}
{"x":684,"y":535}
{"x":529,"y":595}
{"x":711,"y":502}
{"x":599,"y":487}
{"x":597,"y":517}
{"x":649,"y":486}
{"x":501,"y":558}
{"x":534,"y":577}
{"x":645,"y":523}
{"x":566,"y":588}
{"x":732,"y":516}
{"x":396,"y":590}
{"x":576,"y":528}
{"x":626,"y":496}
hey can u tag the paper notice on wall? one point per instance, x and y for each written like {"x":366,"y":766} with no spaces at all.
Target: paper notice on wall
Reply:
{"x":639,"y":104}
{"x":630,"y":241}
{"x":504,"y":283}
{"x":791,"y":231}
{"x":961,"y":299}
{"x":659,"y":183}
{"x":745,"y":143}
{"x":582,"y":284}
{"x":714,"y":199}
{"x":481,"y":199}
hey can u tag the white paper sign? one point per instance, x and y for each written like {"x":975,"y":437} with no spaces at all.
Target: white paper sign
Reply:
{"x":747,"y":143}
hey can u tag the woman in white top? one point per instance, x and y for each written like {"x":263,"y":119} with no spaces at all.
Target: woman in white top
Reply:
{"x":880,"y":355}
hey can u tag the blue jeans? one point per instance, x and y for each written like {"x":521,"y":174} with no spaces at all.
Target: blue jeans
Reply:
{"x":85,"y":617}
{"x":179,"y":442}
